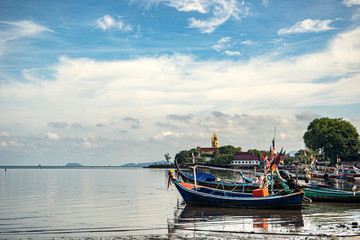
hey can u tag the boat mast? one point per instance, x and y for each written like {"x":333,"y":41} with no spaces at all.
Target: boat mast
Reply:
{"x":194,"y":168}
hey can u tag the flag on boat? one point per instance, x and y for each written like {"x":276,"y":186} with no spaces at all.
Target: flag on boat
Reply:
{"x":312,"y":159}
{"x":274,"y":161}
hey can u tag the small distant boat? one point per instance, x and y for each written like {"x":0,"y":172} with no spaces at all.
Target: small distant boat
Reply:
{"x":195,"y":194}
{"x":326,"y":194}
{"x":338,"y":173}
{"x":316,"y":174}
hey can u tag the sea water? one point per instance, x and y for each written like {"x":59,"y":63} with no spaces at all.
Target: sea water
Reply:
{"x":91,"y":202}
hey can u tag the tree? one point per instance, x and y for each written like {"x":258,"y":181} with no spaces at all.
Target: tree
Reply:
{"x":185,"y":156}
{"x":167,"y":157}
{"x":258,"y":153}
{"x":182,"y":157}
{"x":222,"y":159}
{"x":303,"y":156}
{"x":228,"y":150}
{"x":332,"y":137}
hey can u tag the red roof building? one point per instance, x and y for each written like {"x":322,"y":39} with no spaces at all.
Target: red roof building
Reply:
{"x":245,"y":156}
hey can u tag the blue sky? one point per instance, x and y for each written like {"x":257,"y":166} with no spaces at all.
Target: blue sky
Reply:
{"x":111,"y":82}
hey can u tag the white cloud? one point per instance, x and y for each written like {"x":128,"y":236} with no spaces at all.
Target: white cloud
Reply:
{"x":308,"y":25}
{"x":107,"y":22}
{"x":232,"y":53}
{"x":52,"y":136}
{"x":86,"y":143}
{"x":14,"y":143}
{"x":23,"y":29}
{"x":166,"y":134}
{"x":119,"y":89}
{"x":4,"y":134}
{"x":190,"y":5}
{"x":223,"y":46}
{"x":222,"y":11}
{"x":265,"y":3}
{"x":93,"y":137}
{"x":20,"y":29}
{"x":108,"y":92}
{"x":350,"y":3}
{"x":216,"y":12}
{"x":4,"y":144}
{"x":248,"y":43}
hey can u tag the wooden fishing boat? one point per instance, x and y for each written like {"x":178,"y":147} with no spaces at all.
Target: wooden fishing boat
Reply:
{"x":209,"y":180}
{"x":338,"y":173}
{"x":317,"y":174}
{"x":326,"y":194}
{"x":197,"y":194}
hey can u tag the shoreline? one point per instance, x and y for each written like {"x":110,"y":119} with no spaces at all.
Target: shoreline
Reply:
{"x":190,"y":234}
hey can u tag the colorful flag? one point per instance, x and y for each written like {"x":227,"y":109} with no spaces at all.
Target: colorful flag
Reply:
{"x":312,"y":159}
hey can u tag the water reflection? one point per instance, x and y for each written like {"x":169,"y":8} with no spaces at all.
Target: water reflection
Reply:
{"x":317,"y":219}
{"x":190,"y":218}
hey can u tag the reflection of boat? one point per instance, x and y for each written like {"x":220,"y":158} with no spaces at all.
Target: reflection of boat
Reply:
{"x":194,"y":213}
{"x":235,"y":220}
{"x":331,"y":194}
{"x":193,"y":194}
{"x":209,"y":180}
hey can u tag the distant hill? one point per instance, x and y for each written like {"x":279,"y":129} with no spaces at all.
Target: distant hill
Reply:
{"x":73,"y":165}
{"x":143,"y":164}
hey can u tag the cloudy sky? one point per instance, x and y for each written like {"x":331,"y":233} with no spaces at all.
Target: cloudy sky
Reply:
{"x":112,"y":82}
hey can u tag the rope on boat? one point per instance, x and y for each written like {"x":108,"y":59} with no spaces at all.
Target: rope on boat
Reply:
{"x":222,"y":184}
{"x":234,"y":188}
{"x":307,"y":199}
{"x":215,"y":188}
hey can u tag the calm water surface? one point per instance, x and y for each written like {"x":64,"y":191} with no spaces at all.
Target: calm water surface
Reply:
{"x":135,"y":201}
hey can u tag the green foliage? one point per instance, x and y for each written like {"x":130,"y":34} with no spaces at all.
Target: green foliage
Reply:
{"x":258,"y":153}
{"x":332,"y":137}
{"x":223,"y":155}
{"x":228,"y":150}
{"x":167,"y":157}
{"x":185,"y":156}
{"x":289,"y":160}
{"x":222,"y":159}
{"x":303,"y":156}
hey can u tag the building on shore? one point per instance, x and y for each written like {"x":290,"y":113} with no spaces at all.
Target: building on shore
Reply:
{"x":212,"y":149}
{"x":240,"y":159}
{"x":245,"y":159}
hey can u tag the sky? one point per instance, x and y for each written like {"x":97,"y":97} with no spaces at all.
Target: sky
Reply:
{"x":114,"y":82}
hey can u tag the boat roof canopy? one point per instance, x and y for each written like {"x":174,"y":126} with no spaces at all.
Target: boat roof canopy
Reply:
{"x":205,"y":177}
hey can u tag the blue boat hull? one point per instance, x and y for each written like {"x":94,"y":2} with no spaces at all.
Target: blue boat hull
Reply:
{"x":212,"y":197}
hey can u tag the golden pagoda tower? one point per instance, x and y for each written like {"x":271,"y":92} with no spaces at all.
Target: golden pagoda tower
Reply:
{"x":214,"y":141}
